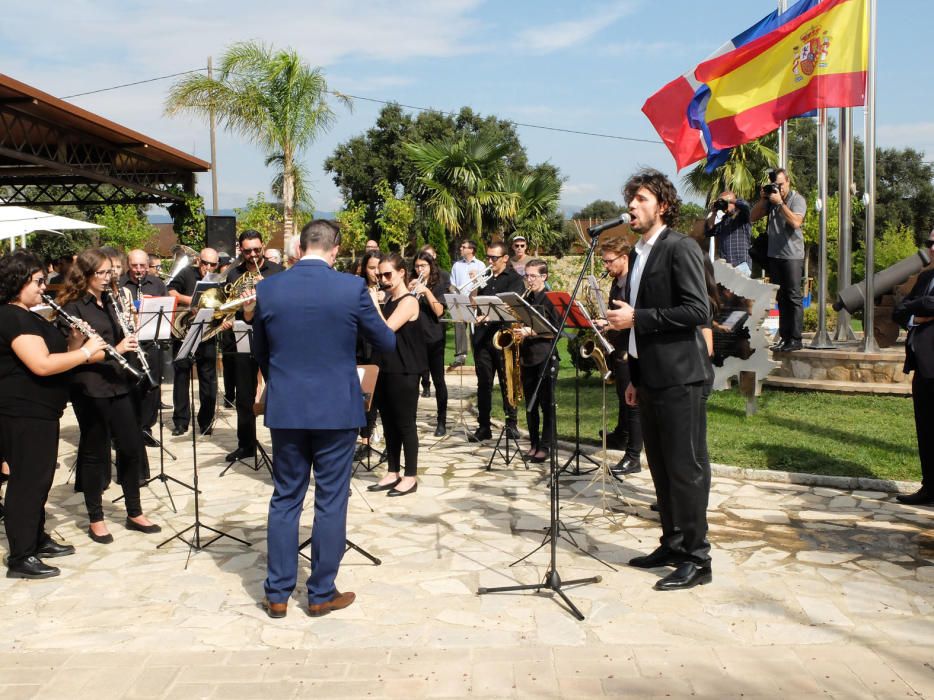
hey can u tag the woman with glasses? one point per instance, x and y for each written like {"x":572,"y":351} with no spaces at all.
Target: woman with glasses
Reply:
{"x":430,"y":292}
{"x":34,"y":358}
{"x":397,"y":383}
{"x":101,"y":397}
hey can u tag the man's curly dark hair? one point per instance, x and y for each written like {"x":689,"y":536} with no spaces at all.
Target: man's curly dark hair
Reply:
{"x":16,"y":271}
{"x":658,"y":184}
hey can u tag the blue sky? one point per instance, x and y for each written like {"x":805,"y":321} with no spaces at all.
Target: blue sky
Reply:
{"x":587,"y":66}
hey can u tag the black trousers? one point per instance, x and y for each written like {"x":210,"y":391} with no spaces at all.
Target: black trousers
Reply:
{"x":397,"y":398}
{"x":30,"y":447}
{"x":206,"y":365}
{"x":628,"y":419}
{"x":488,"y":360}
{"x":100,"y":421}
{"x":922,"y":395}
{"x":544,"y":405}
{"x":436,"y":370}
{"x":787,"y":275}
{"x":149,"y":397}
{"x":246,"y":370}
{"x":673,"y":425}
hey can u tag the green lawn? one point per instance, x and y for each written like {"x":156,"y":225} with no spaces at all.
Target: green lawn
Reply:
{"x":810,"y":432}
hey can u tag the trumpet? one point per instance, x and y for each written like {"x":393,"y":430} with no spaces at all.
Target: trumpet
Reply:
{"x":419,"y":281}
{"x":475,"y":283}
{"x":127,"y":320}
{"x":85,"y":329}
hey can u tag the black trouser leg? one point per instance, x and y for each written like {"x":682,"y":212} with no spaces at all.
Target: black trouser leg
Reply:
{"x":629,"y":419}
{"x":922,"y":395}
{"x":30,"y":447}
{"x":149,"y":398}
{"x":181,"y":404}
{"x":398,"y":405}
{"x":206,"y":362}
{"x":229,"y":365}
{"x":671,"y":426}
{"x":530,"y":375}
{"x":436,"y":368}
{"x":787,"y":275}
{"x":246,"y":393}
{"x":137,"y":396}
{"x":484,"y":367}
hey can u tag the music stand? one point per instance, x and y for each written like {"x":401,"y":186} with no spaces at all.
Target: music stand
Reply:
{"x":580,"y":320}
{"x":243,"y":336}
{"x":368,"y":375}
{"x":187,"y":351}
{"x":460,"y":311}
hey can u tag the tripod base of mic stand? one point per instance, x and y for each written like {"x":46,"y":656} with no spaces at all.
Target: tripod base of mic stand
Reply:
{"x":551,"y":582}
{"x":164,"y":478}
{"x":504,"y":451}
{"x":348,"y":546}
{"x":575,"y":458}
{"x":261,"y":459}
{"x":196,"y":543}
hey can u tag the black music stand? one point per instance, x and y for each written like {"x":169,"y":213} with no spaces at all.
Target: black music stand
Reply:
{"x":458,"y":306}
{"x":578,"y":320}
{"x":552,"y":579}
{"x":189,"y":346}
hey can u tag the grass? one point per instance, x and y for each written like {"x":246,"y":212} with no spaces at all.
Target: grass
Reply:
{"x":798,"y":431}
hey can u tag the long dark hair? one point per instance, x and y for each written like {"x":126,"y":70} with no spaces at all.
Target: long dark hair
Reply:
{"x":365,"y":260}
{"x":433,"y":274}
{"x":76,"y":284}
{"x":16,"y":271}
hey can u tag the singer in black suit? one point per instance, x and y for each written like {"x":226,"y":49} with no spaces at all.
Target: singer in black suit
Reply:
{"x":668,"y":365}
{"x":916,"y":313}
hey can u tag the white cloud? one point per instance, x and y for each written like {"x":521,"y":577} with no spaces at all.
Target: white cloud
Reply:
{"x":561,"y":35}
{"x":641,"y":48}
{"x":578,"y":189}
{"x":919,"y":136}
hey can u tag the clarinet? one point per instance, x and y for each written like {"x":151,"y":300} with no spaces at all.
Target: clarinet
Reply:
{"x":128,"y":326}
{"x":85,"y":329}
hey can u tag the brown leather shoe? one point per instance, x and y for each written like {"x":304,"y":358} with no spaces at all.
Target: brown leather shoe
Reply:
{"x":338,"y":602}
{"x":275,"y":610}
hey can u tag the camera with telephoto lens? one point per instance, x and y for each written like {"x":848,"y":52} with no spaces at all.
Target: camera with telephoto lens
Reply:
{"x":721,"y":204}
{"x":771,"y":188}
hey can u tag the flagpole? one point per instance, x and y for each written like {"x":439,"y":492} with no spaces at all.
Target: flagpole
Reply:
{"x":821,"y":340}
{"x":783,"y":128}
{"x":844,"y":330}
{"x":869,"y":341}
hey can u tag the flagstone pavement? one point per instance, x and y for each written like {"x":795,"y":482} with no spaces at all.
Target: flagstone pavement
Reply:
{"x":818,"y":592}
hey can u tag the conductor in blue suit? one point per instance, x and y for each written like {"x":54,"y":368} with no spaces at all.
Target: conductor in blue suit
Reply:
{"x":305,"y":329}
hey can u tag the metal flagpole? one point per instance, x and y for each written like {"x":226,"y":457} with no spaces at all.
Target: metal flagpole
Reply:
{"x":844,"y":330}
{"x":821,"y":340}
{"x":783,"y":129}
{"x":869,"y":198}
{"x":213,"y":147}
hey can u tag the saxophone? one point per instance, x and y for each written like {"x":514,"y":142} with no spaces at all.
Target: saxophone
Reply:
{"x":508,"y":340}
{"x":589,"y":349}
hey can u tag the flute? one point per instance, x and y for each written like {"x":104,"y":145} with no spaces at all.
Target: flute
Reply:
{"x":85,"y":329}
{"x":128,"y":326}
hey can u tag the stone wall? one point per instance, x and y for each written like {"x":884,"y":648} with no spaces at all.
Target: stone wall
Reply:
{"x":843,"y":366}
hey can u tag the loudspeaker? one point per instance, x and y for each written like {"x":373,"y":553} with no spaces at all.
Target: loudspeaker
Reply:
{"x":220,"y":233}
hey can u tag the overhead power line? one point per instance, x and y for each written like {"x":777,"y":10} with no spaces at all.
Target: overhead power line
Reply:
{"x":138,"y":82}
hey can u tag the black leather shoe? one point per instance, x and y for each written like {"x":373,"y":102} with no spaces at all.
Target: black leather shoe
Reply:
{"x":238,"y":454}
{"x":512,"y":431}
{"x":179,"y":430}
{"x":660,"y":557}
{"x":149,"y":440}
{"x":653,"y":507}
{"x":207,"y":431}
{"x":458,"y":362}
{"x":791,"y":346}
{"x":145,"y":529}
{"x":687,"y":575}
{"x":441,"y":430}
{"x":100,"y":539}
{"x":396,"y":492}
{"x":918,"y":498}
{"x":30,"y":567}
{"x":50,"y":549}
{"x":777,"y":345}
{"x":480,"y":435}
{"x":384,"y":487}
{"x":627,"y":465}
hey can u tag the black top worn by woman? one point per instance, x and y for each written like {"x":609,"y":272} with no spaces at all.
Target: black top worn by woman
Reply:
{"x":104,"y":379}
{"x":432,"y":327}
{"x":534,"y":349}
{"x":22,"y":393}
{"x":410,"y":356}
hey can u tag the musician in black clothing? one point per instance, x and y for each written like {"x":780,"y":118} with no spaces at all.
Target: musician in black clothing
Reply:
{"x":487,"y":359}
{"x":252,"y":262}
{"x":430,"y":293}
{"x":139,"y":283}
{"x":101,"y":397}
{"x":182,"y":287}
{"x":533,"y":357}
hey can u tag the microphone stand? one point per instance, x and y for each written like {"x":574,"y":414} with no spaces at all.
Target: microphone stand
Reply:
{"x":552,"y":579}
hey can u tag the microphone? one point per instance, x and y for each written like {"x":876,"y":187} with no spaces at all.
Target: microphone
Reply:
{"x":597,"y":230}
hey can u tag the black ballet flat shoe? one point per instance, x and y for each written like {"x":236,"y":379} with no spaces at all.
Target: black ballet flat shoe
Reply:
{"x":100,"y":539}
{"x":395,"y":492}
{"x":30,"y":567}
{"x":539,"y":460}
{"x":145,"y":529}
{"x":383,"y":487}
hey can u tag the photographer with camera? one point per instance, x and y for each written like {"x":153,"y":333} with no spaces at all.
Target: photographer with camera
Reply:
{"x":785,"y":209}
{"x":728,"y":222}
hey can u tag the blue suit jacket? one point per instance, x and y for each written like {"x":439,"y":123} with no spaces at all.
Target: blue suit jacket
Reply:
{"x":304,"y":338}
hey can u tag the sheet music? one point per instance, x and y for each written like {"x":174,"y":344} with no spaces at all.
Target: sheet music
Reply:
{"x":459,"y":308}
{"x":155,"y":316}
{"x":495,"y":309}
{"x":243,"y":335}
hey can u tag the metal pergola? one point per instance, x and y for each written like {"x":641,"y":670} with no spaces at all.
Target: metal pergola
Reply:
{"x":52,"y":153}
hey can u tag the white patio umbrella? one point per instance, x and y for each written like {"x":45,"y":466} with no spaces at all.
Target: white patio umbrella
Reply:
{"x":17,"y":222}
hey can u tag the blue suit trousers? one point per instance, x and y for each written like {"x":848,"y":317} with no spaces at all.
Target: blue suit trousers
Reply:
{"x":330,"y":453}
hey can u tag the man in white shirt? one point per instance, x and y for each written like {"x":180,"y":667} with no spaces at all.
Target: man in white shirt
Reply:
{"x":465,"y":269}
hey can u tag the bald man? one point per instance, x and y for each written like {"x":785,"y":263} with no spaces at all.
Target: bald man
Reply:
{"x":182,"y":288}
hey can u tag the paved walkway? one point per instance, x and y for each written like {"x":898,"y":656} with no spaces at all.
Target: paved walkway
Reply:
{"x":818,"y":592}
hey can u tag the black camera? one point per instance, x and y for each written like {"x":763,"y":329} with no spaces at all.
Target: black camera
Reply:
{"x":771,"y":188}
{"x":721,"y":205}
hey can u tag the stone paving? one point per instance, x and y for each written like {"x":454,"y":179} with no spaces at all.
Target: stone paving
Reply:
{"x":817,"y":592}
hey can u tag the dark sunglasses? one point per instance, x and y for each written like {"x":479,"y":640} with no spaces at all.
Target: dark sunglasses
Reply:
{"x":209,"y":264}
{"x":494,"y":258}
{"x":929,"y":244}
{"x":386,"y":275}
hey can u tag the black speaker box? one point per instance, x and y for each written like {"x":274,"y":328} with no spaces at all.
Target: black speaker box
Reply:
{"x":220,"y":233}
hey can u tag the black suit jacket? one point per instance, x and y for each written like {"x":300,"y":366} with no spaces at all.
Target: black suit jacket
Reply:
{"x":919,"y":349}
{"x":671,"y":305}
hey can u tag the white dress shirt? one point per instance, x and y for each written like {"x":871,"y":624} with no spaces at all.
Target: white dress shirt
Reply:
{"x":643,"y":250}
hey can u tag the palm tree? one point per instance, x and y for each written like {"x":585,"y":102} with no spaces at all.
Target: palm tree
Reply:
{"x":536,"y":196}
{"x":742,"y":173}
{"x":270,"y":97}
{"x":462,"y":183}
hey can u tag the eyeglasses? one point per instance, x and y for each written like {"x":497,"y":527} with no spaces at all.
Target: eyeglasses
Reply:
{"x":494,"y":258}
{"x":40,"y":281}
{"x":611,"y":260}
{"x":104,"y":273}
{"x":209,"y":264}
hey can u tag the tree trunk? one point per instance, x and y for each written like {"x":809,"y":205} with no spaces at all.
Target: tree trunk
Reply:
{"x":288,"y":199}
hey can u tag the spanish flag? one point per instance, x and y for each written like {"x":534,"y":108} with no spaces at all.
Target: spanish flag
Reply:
{"x":816,"y":61}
